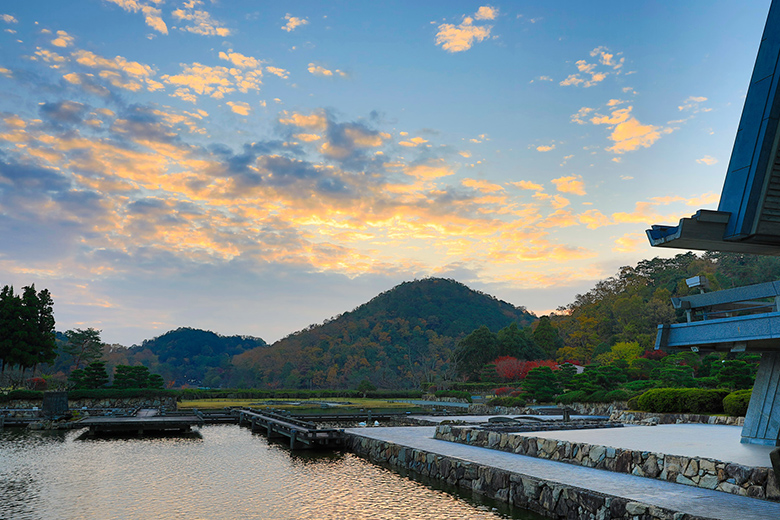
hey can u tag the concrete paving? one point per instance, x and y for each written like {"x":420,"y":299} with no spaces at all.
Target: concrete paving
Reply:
{"x":712,"y":441}
{"x":687,"y":499}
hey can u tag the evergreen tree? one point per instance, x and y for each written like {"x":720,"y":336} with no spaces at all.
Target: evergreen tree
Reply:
{"x":84,"y":345}
{"x":94,"y":376}
{"x":546,"y":337}
{"x":474,"y":351}
{"x":541,"y":384}
{"x":131,"y":377}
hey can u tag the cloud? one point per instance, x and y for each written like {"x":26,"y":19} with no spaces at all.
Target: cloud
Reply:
{"x":628,"y":133}
{"x":692,"y":104}
{"x":276,"y":71}
{"x":293,"y":22}
{"x":580,"y":116}
{"x":486,"y":12}
{"x":199,"y":21}
{"x":63,"y":39}
{"x":215,"y":82}
{"x":7,"y":18}
{"x":239,"y":60}
{"x":315,"y":120}
{"x":430,"y":170}
{"x":632,"y":135}
{"x":589,"y":74}
{"x":459,"y":38}
{"x":319,"y":70}
{"x":413,"y":142}
{"x":545,"y":147}
{"x":708,"y":160}
{"x":482,"y":185}
{"x":527,"y":185}
{"x":239,"y":107}
{"x":152,"y":15}
{"x":571,"y":184}
{"x":630,"y":243}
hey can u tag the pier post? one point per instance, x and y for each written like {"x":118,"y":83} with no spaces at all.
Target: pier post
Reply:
{"x":292,"y":440}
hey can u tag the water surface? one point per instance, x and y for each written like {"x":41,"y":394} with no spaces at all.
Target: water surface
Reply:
{"x":226,"y":472}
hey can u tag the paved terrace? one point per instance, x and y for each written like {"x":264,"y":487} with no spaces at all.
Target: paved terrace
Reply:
{"x":687,"y":499}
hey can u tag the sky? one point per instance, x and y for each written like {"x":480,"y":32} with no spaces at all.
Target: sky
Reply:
{"x":256,"y":167}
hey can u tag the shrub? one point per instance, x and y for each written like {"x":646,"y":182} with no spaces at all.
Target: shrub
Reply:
{"x":642,"y":384}
{"x":682,"y":400}
{"x":503,"y":390}
{"x":707,"y":382}
{"x":27,"y":395}
{"x":507,"y":401}
{"x":633,"y":403}
{"x":577,"y":396}
{"x":459,"y":394}
{"x":736,"y":403}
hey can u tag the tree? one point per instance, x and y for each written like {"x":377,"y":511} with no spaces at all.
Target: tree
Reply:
{"x":26,"y":328}
{"x":517,"y":342}
{"x":94,"y":376}
{"x":84,"y":345}
{"x":736,"y":374}
{"x":131,"y":377}
{"x":546,"y":337}
{"x":474,"y":351}
{"x":541,"y":384}
{"x":366,"y":386}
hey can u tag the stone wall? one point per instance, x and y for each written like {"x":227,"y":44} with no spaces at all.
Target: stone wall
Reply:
{"x":579,"y":409}
{"x":691,"y":471}
{"x":167,"y":403}
{"x":645,"y":418}
{"x":547,"y":498}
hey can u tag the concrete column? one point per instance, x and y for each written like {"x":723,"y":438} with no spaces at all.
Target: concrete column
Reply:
{"x":762,"y":421}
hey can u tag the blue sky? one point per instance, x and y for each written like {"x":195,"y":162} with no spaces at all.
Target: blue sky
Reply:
{"x":254,"y":167}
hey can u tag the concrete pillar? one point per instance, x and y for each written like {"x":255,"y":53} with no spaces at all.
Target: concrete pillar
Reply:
{"x":762,"y":420}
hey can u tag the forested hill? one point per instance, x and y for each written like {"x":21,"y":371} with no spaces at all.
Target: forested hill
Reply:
{"x":187,"y":355}
{"x":400,"y":338}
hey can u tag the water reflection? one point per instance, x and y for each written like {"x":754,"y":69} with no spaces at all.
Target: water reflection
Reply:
{"x":227,"y":473}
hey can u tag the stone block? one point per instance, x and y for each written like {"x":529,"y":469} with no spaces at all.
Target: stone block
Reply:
{"x":709,"y":481}
{"x":650,"y":467}
{"x":692,"y":469}
{"x":681,"y":479}
{"x":597,"y":454}
{"x":636,"y":508}
{"x":738,"y":472}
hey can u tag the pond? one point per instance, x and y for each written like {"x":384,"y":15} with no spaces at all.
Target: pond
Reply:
{"x":221,"y":472}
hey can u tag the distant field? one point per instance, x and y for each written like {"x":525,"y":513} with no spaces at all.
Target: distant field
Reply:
{"x":301,"y":405}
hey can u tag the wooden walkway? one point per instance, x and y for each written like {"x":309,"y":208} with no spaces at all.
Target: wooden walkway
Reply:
{"x":144,"y":421}
{"x":301,"y":434}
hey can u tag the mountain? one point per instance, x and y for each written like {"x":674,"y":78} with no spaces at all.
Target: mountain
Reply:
{"x":191,"y":356}
{"x":399,"y":339}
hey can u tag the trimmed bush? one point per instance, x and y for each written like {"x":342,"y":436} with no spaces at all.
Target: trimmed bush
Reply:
{"x":633,"y":403}
{"x":682,"y":400}
{"x":507,"y":401}
{"x":577,"y":396}
{"x":25,"y":395}
{"x":736,"y":403}
{"x":639,"y":385}
{"x":458,"y":394}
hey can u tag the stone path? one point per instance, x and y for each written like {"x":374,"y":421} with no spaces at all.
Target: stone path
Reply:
{"x":687,"y":499}
{"x":713,"y":441}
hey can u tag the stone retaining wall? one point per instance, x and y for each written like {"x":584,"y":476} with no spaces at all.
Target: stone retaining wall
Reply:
{"x":645,"y":418}
{"x":691,"y":471}
{"x":167,"y":403}
{"x":579,"y":409}
{"x":547,"y":498}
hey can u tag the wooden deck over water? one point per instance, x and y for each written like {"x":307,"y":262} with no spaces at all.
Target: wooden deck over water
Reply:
{"x":301,"y":434}
{"x":145,"y":421}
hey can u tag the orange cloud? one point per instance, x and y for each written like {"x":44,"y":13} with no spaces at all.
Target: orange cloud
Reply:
{"x":293,"y":22}
{"x":482,"y":185}
{"x":459,"y":38}
{"x":570,"y":184}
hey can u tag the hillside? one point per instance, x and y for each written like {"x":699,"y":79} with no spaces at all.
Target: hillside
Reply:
{"x":399,"y":339}
{"x":190,"y":356}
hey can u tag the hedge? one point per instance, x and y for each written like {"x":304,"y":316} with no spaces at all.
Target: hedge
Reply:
{"x":26,"y":395}
{"x":253,"y":393}
{"x":736,"y":403}
{"x":682,"y":400}
{"x":509,"y":402}
{"x":459,"y":394}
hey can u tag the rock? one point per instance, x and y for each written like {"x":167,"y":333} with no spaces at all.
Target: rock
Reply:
{"x":709,"y":481}
{"x":597,"y":454}
{"x":636,"y":508}
{"x":650,"y":467}
{"x":681,"y":479}
{"x":692,"y":469}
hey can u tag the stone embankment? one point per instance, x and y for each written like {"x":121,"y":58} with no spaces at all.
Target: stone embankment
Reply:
{"x":167,"y":403}
{"x":691,"y":471}
{"x":547,"y":498}
{"x":647,"y":418}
